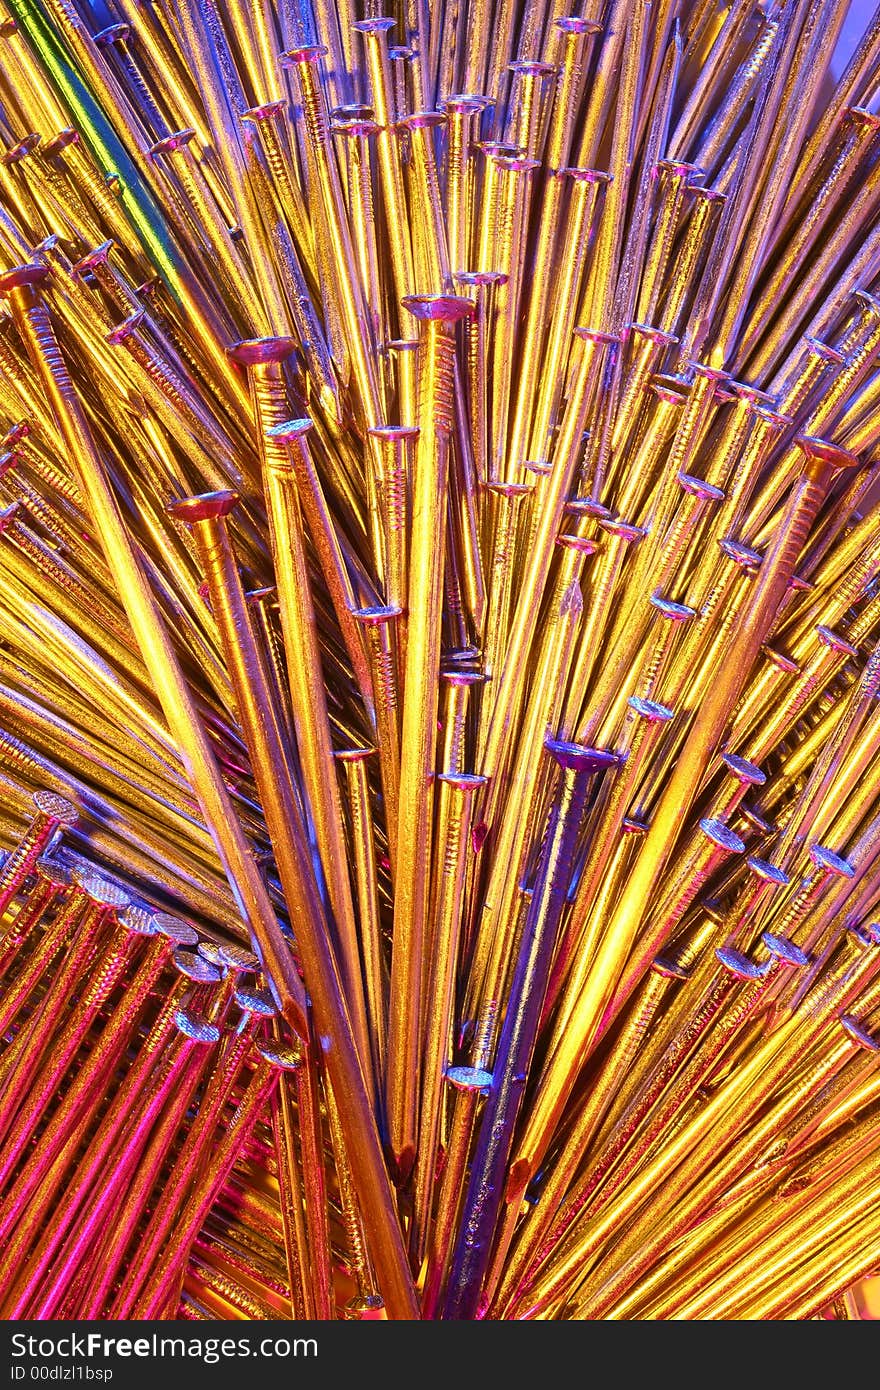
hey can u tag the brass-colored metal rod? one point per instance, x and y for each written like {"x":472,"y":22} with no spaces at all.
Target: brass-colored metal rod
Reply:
{"x":449,"y":879}
{"x":334,"y":554}
{"x":290,"y":847}
{"x":354,"y":762}
{"x":311,"y":721}
{"x":290,"y":1186}
{"x":437,"y":315}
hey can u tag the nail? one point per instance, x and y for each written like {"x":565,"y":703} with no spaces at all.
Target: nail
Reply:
{"x":381,"y":626}
{"x":117,"y":39}
{"x":457,"y":791}
{"x":53,"y":813}
{"x":485,"y":1193}
{"x":437,"y":315}
{"x":306,"y":61}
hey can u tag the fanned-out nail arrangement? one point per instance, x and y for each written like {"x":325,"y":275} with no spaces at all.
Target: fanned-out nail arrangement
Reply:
{"x":439,"y":666}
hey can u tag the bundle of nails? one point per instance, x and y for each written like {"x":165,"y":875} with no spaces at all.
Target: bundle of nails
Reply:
{"x":439,"y":617}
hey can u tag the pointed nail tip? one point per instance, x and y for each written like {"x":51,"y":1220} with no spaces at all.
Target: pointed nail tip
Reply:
{"x":402,"y":1163}
{"x":520,"y":1175}
{"x":296,"y":1017}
